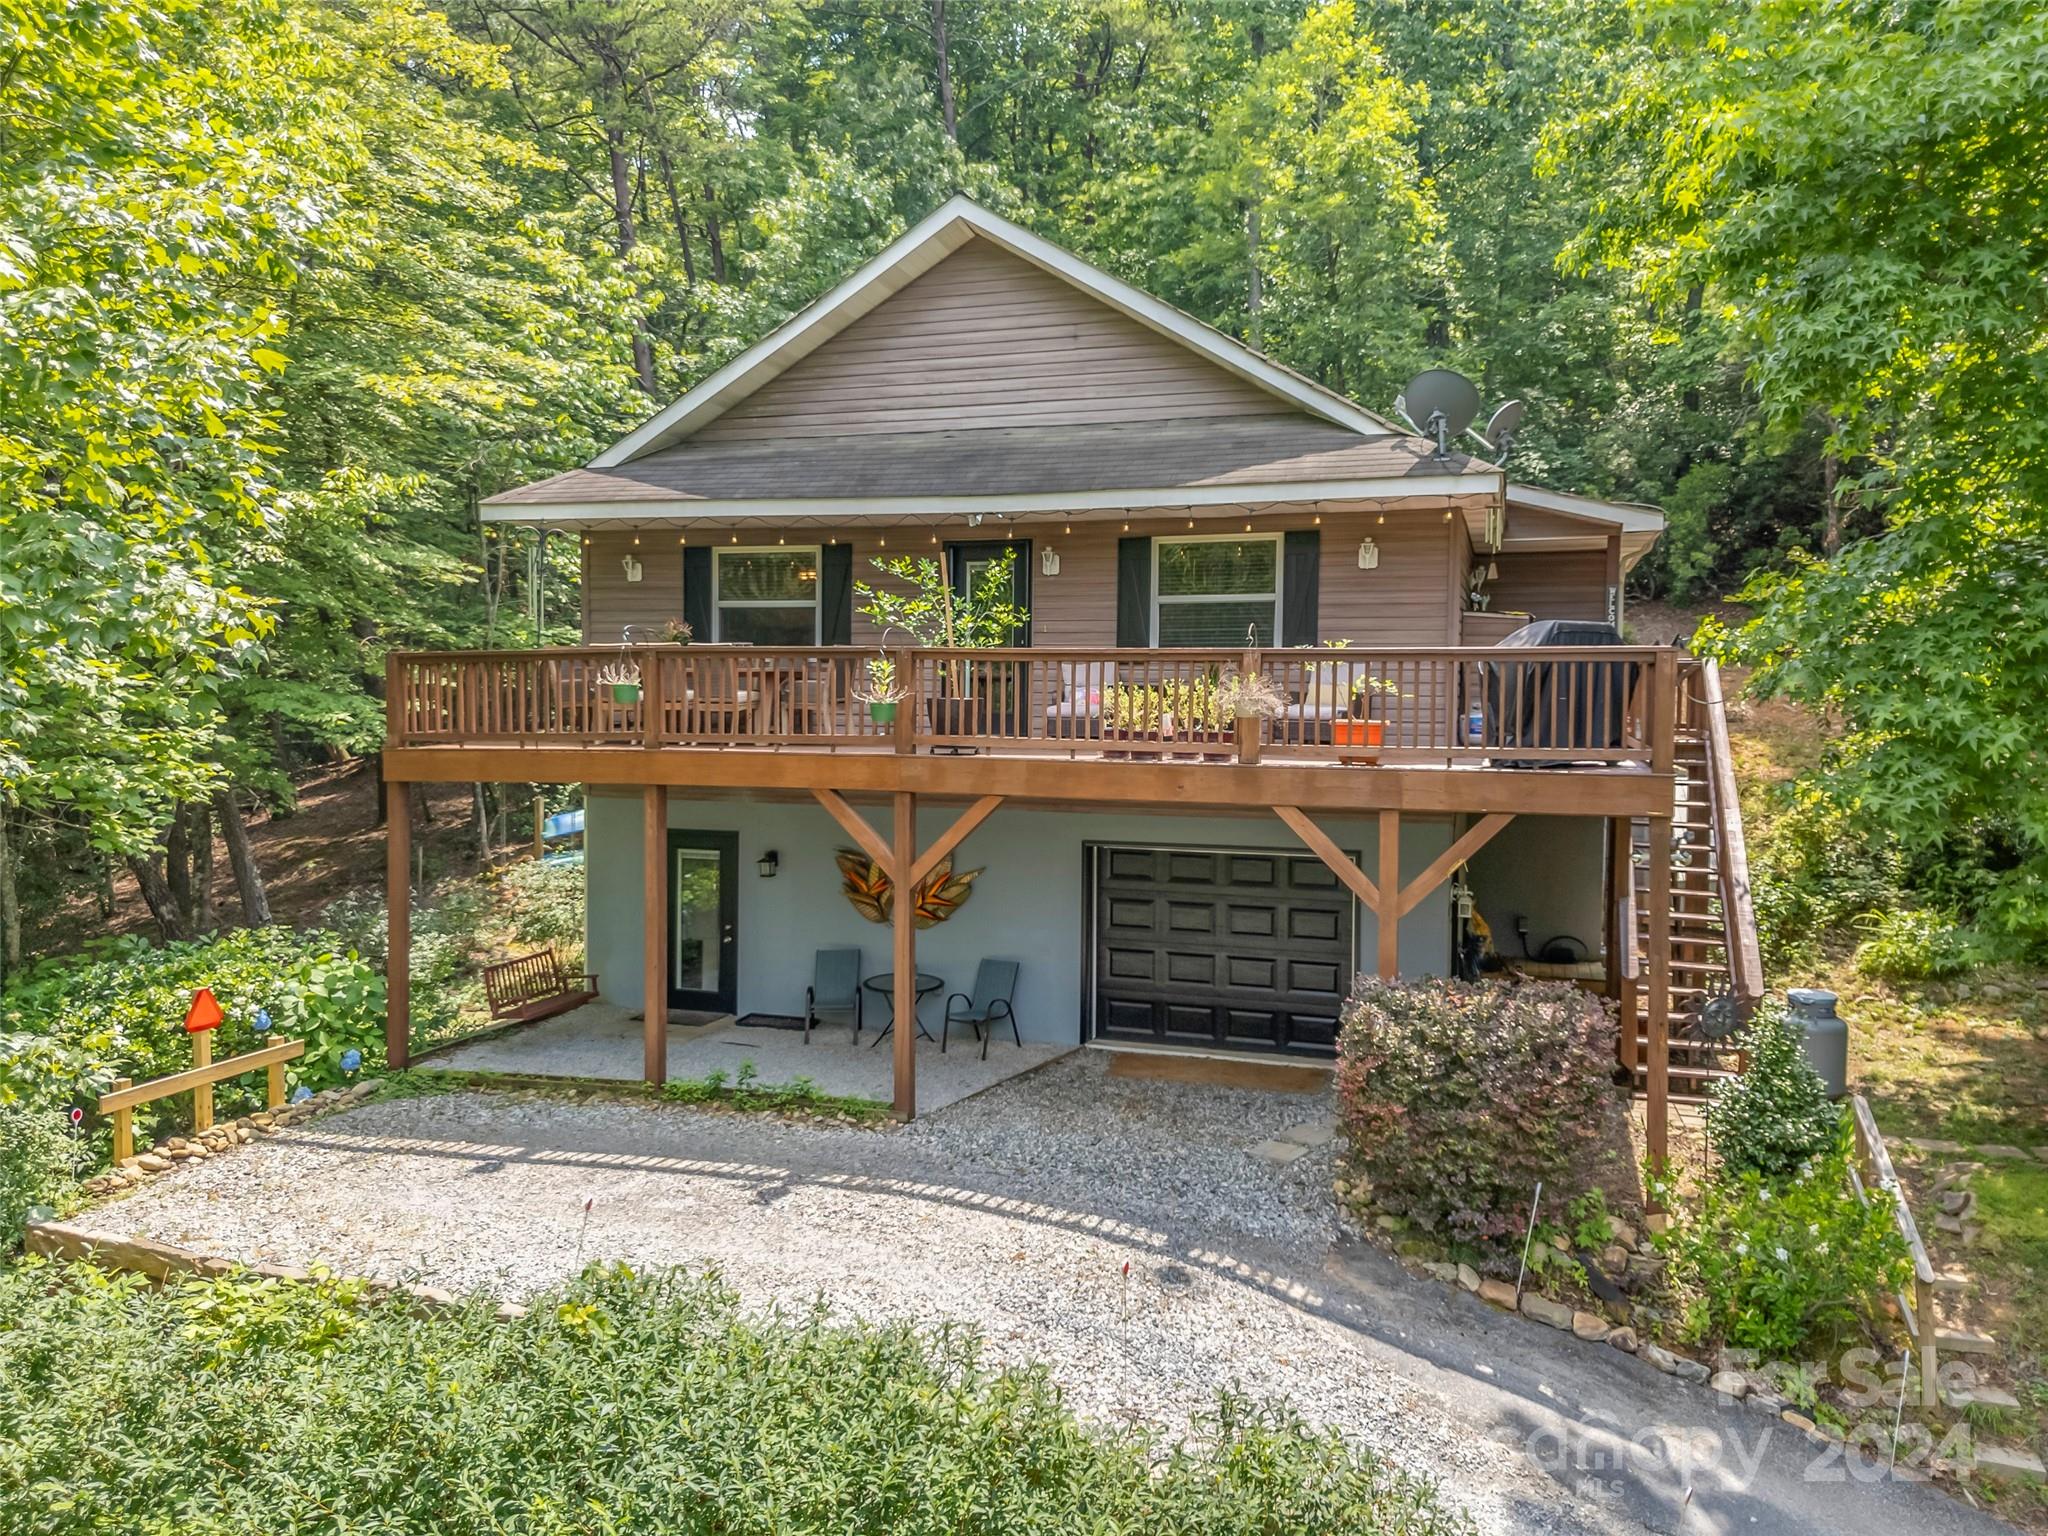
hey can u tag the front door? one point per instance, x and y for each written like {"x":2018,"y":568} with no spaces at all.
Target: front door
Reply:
{"x":703,"y":928}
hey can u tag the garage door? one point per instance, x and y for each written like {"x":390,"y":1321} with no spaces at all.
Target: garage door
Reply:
{"x":1232,"y":949}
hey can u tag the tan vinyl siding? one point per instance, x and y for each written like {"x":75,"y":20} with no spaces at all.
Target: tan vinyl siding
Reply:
{"x":610,"y":600}
{"x":1406,"y":601}
{"x":982,"y":340}
{"x":1570,"y":584}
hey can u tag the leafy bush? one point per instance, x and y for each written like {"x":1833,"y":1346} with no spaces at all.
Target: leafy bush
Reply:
{"x":70,"y":1025}
{"x":1774,"y":1267}
{"x":622,"y":1402}
{"x":1776,"y":1115}
{"x":1457,"y":1098}
{"x":1913,"y":944}
{"x":35,"y":1165}
{"x":1813,"y":872}
{"x":544,"y":904}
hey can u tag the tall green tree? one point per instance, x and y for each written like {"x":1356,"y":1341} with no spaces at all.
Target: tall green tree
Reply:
{"x":1857,"y":191}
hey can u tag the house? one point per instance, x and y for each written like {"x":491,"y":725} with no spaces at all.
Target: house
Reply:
{"x":1174,"y":509}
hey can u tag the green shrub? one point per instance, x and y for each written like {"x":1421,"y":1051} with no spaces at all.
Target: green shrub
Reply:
{"x":70,"y":1025}
{"x":1913,"y":944}
{"x":1457,"y":1098}
{"x":620,"y":1403}
{"x":1775,"y":1267}
{"x":35,"y":1165}
{"x":1776,"y":1115}
{"x":544,"y":904}
{"x":1813,"y":872}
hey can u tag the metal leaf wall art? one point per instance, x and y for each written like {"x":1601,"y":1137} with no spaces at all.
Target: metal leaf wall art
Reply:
{"x":938,"y":896}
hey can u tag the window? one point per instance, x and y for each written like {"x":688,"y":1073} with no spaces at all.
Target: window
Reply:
{"x":1209,"y":591}
{"x":766,"y":596}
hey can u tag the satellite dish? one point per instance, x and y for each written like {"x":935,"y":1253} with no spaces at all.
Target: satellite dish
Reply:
{"x":1500,"y":431}
{"x":1440,"y":403}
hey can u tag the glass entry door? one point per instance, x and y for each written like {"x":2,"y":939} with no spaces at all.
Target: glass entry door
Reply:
{"x":703,"y":905}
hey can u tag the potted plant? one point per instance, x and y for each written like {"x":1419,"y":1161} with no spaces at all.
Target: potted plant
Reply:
{"x":882,"y":692}
{"x":1134,"y":713}
{"x":922,"y":603}
{"x":678,"y":632}
{"x":1359,"y":737}
{"x":1250,"y":700}
{"x":1193,"y":713}
{"x":621,"y":679}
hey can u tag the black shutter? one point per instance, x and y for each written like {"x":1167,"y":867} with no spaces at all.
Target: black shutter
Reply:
{"x":1134,"y":593}
{"x":697,"y":593}
{"x":835,"y":595}
{"x":1301,"y":587}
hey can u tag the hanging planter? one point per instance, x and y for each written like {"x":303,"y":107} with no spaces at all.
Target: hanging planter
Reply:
{"x":621,"y":681}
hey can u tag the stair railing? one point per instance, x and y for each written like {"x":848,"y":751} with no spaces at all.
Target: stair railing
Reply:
{"x":1738,"y":912}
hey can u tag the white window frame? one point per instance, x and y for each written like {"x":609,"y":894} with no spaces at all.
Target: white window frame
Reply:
{"x":1278,"y":541}
{"x":719,"y":604}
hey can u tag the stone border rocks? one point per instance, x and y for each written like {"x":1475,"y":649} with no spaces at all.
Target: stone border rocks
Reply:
{"x":167,"y":1154}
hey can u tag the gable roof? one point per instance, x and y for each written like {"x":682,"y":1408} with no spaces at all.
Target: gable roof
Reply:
{"x":953,"y":224}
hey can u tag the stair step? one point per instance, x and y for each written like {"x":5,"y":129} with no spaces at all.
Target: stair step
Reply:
{"x":1962,"y":1341}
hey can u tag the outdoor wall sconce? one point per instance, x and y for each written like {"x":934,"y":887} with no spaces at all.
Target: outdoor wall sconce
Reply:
{"x":631,"y":567}
{"x":1049,"y":562}
{"x":770,"y":862}
{"x":1368,"y":555}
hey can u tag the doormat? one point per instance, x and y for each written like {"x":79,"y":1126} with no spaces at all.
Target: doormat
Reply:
{"x":695,"y":1017}
{"x":1267,"y":1076}
{"x":769,"y":1021}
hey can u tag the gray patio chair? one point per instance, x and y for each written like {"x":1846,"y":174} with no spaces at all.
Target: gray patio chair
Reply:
{"x":834,"y":993}
{"x":995,"y":984}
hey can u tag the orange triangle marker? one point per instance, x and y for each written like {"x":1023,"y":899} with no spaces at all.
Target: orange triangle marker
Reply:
{"x":204,"y":1013}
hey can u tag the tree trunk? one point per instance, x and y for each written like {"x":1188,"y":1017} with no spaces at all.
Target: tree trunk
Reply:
{"x":1254,"y":285}
{"x":241,"y":859}
{"x":712,"y":240}
{"x":178,"y":867}
{"x":675,"y":213}
{"x":628,"y":236}
{"x":104,"y":898}
{"x":204,"y":918}
{"x":156,"y":895}
{"x":10,"y":897}
{"x":1831,"y":497}
{"x":482,"y":816}
{"x":946,"y":113}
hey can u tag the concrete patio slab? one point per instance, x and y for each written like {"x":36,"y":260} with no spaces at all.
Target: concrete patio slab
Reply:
{"x":603,"y":1040}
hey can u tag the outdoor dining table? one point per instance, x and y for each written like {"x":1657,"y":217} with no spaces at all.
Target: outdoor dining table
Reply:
{"x":885,"y":986}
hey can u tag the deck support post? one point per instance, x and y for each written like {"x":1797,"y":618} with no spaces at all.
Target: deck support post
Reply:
{"x":654,"y":932}
{"x":1388,"y":917}
{"x":398,"y":924}
{"x":903,"y":892}
{"x":1658,"y":945}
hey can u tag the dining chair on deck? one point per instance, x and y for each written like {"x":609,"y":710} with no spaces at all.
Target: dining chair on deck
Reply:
{"x":995,"y":984}
{"x":834,"y":993}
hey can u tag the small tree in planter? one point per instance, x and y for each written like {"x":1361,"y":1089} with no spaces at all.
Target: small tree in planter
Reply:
{"x":882,"y":691}
{"x":1458,"y":1097}
{"x":1249,"y":700}
{"x":934,"y":615}
{"x":1366,"y":729}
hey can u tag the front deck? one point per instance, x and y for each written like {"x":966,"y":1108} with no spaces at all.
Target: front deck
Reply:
{"x":1479,"y":734}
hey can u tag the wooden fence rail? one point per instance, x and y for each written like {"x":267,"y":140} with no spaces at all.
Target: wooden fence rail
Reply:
{"x":1440,"y":705}
{"x":198,"y":1081}
{"x":1875,"y":1180}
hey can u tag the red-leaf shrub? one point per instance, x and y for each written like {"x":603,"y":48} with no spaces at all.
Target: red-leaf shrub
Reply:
{"x":1458,"y":1097}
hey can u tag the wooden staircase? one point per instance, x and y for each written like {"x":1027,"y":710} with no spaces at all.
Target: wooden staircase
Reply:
{"x":1713,"y":927}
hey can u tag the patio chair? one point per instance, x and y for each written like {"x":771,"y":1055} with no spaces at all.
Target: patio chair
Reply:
{"x":834,"y":993}
{"x":995,"y":984}
{"x":1077,"y":713}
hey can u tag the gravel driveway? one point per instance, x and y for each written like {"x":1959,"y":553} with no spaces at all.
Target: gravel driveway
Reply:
{"x":1123,"y":1231}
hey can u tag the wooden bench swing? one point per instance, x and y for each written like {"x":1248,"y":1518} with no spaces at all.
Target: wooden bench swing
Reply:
{"x":535,"y":986}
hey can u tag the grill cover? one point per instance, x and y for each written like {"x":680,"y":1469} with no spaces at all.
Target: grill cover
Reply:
{"x":1554,"y":704}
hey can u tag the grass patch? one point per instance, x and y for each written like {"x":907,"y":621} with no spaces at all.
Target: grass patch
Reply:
{"x":744,"y":1090}
{"x":622,"y":1402}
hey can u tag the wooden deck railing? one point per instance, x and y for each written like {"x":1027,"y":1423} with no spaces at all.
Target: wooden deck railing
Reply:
{"x":1593,"y":705}
{"x":1872,"y":1176}
{"x":1700,"y":692}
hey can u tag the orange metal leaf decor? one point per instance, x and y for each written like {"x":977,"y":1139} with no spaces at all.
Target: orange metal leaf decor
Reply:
{"x":936,"y":898}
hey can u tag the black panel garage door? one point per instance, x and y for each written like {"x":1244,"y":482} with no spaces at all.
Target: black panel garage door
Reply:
{"x":1241,"y":950}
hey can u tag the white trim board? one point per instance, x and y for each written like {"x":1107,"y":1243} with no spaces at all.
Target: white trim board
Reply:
{"x":915,"y":252}
{"x":829,"y":509}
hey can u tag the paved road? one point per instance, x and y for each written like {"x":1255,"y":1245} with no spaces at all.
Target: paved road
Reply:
{"x":1121,"y":1232}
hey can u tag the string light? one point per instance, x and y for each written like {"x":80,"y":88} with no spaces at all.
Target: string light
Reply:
{"x":636,"y":541}
{"x":1319,"y":519}
{"x":1127,"y":527}
{"x":1383,"y":519}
